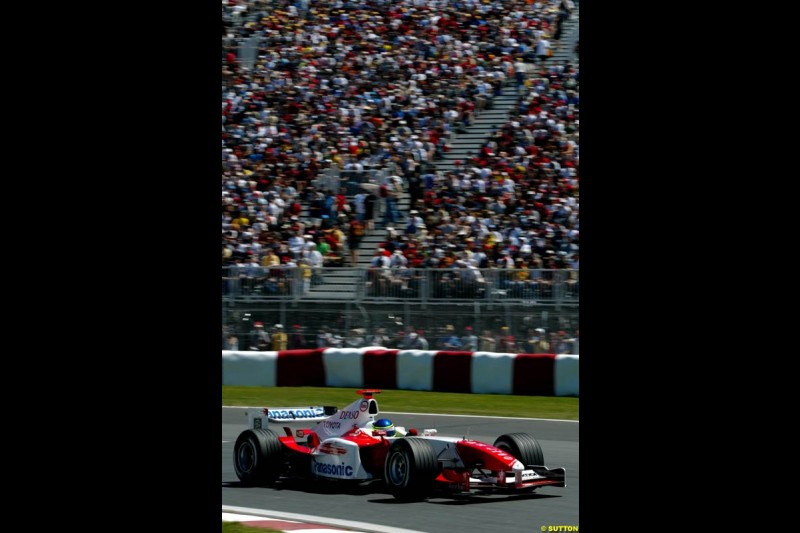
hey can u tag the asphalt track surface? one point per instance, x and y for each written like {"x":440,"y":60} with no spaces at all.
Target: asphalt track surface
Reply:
{"x":372,"y":503}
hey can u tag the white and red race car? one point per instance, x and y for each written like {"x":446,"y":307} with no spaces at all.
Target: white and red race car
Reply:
{"x":344,"y":445}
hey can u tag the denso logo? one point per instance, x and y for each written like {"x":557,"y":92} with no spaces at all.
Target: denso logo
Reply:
{"x":349,"y":414}
{"x":333,"y":470}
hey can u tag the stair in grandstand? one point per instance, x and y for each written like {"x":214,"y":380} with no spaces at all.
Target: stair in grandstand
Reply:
{"x":464,"y":145}
{"x":338,"y":284}
{"x":368,"y":246}
{"x":564,"y":49}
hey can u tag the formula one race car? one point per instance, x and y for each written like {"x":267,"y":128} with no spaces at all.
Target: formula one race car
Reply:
{"x":352,"y":445}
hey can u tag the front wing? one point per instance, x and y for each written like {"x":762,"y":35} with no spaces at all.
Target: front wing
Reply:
{"x":527,"y":479}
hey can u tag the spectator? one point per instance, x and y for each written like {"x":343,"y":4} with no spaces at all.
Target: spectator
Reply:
{"x":540,"y":345}
{"x":390,"y":192}
{"x":543,"y":50}
{"x":553,"y":341}
{"x":450,"y":341}
{"x":369,"y":210}
{"x":232,"y":343}
{"x":414,"y":342}
{"x":487,"y":341}
{"x":259,"y":338}
{"x":315,"y":260}
{"x":506,"y":342}
{"x":400,"y":341}
{"x":296,"y":340}
{"x":355,"y":232}
{"x":379,"y":338}
{"x":270,"y":259}
{"x":575,"y":344}
{"x":263,"y":345}
{"x":323,"y":246}
{"x":564,"y":345}
{"x":355,"y":339}
{"x":531,"y":340}
{"x":325,"y":338}
{"x":421,"y":340}
{"x":306,"y":273}
{"x":469,"y":341}
{"x":360,"y":207}
{"x":520,"y":73}
{"x":279,"y":338}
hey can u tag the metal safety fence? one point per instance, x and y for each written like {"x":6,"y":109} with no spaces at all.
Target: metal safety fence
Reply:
{"x":375,"y":284}
{"x":353,"y":181}
{"x":510,"y":327}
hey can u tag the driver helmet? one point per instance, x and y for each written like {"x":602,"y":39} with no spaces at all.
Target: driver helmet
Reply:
{"x":384,"y":424}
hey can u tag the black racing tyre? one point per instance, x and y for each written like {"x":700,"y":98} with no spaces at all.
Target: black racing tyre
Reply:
{"x":522,"y":446}
{"x":410,"y":468}
{"x":257,"y":457}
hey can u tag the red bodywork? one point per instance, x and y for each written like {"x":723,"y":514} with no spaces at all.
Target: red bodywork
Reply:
{"x":475,"y":452}
{"x":373,"y":451}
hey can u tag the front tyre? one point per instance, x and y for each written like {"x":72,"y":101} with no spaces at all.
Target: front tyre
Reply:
{"x":257,"y":457}
{"x":523,"y":447}
{"x":410,"y":469}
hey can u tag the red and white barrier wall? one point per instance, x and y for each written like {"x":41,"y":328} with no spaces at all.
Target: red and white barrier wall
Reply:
{"x":381,"y":368}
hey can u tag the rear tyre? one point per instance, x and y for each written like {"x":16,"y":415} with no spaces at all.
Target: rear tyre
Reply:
{"x":257,"y":457}
{"x":410,"y":469}
{"x":522,"y":446}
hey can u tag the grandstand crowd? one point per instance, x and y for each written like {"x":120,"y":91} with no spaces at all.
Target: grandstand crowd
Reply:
{"x":379,"y":84}
{"x":385,"y":85}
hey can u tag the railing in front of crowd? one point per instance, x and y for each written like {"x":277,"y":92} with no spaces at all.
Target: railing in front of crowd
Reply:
{"x":313,"y":324}
{"x":487,"y":284}
{"x":376,"y":284}
{"x":354,"y":181}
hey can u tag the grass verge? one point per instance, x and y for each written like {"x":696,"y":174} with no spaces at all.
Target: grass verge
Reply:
{"x":564,"y":408}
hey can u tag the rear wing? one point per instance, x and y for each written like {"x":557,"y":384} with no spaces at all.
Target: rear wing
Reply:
{"x":357,"y":414}
{"x":260,"y":418}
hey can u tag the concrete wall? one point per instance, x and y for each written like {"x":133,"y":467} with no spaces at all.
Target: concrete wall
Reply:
{"x":377,"y":367}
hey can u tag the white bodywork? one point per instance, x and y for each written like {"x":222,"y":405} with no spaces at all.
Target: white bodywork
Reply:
{"x":256,"y":418}
{"x":357,"y":414}
{"x":338,"y":459}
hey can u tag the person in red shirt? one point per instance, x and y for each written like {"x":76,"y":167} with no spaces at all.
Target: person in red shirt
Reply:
{"x":355,"y":232}
{"x":341,"y":201}
{"x":507,"y":343}
{"x":296,"y":340}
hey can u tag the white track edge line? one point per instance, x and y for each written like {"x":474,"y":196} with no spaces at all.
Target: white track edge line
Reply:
{"x":351,"y":524}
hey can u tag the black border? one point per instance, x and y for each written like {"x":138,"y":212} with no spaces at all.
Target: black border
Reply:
{"x":650,"y":184}
{"x":142,"y":372}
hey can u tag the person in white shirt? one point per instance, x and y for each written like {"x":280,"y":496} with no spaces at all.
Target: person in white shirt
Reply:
{"x":360,"y":207}
{"x":543,"y":50}
{"x":296,"y":243}
{"x":520,"y":73}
